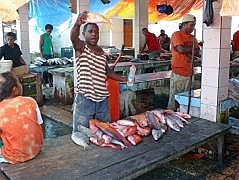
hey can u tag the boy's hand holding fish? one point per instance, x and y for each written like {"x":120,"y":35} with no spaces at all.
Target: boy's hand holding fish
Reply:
{"x":82,"y":17}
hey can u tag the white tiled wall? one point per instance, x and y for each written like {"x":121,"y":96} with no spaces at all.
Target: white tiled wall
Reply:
{"x":141,"y":21}
{"x":23,"y":32}
{"x":215,"y":64}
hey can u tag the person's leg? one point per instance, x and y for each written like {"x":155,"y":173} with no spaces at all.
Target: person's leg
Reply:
{"x":48,"y":77}
{"x":102,"y":110}
{"x":83,"y":111}
{"x":171,"y":101}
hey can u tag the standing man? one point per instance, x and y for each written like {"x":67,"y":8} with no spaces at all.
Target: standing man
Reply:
{"x":46,"y":47}
{"x":152,"y":43}
{"x":164,"y":41}
{"x":181,"y":44}
{"x":91,"y":99}
{"x":11,"y":51}
{"x":235,"y":44}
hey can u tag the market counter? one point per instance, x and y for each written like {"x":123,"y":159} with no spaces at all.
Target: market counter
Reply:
{"x":62,"y":159}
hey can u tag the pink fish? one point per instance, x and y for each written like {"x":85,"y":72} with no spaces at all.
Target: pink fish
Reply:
{"x":134,"y":139}
{"x":105,"y":127}
{"x":125,"y":122}
{"x":102,"y":143}
{"x":159,"y":115}
{"x":183,"y":115}
{"x":143,"y":131}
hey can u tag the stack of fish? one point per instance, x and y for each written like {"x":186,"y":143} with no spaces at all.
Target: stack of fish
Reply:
{"x":117,"y":135}
{"x":54,"y":61}
{"x":160,"y":120}
{"x":124,"y":133}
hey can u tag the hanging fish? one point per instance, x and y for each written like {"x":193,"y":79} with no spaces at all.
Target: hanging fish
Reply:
{"x":98,"y":18}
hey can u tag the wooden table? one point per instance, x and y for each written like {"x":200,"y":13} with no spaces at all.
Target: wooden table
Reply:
{"x":62,"y":159}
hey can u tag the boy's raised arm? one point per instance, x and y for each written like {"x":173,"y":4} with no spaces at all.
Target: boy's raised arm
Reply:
{"x":78,"y":44}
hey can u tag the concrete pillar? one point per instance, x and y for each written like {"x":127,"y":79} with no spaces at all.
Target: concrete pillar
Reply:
{"x":1,"y":34}
{"x":215,"y":64}
{"x":23,"y":33}
{"x":141,"y":21}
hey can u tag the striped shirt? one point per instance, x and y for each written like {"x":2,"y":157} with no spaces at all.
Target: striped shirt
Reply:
{"x":91,"y":75}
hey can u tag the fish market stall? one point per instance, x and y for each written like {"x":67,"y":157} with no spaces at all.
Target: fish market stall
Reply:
{"x":148,"y":92}
{"x":41,"y":65}
{"x":142,"y":66}
{"x":63,"y":75}
{"x":225,"y":105}
{"x":104,"y":163}
{"x":63,"y":87}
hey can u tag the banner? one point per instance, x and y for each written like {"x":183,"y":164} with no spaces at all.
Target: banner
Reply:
{"x":55,"y":12}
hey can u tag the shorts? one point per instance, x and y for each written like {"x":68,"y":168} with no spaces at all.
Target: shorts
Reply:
{"x":85,"y":109}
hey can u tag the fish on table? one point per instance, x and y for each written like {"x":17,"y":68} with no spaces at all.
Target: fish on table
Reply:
{"x":107,"y":129}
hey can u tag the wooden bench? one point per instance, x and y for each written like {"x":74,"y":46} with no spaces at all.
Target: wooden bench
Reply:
{"x":62,"y":159}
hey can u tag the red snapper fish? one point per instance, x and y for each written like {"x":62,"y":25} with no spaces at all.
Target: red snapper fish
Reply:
{"x":105,"y":128}
{"x":134,"y":139}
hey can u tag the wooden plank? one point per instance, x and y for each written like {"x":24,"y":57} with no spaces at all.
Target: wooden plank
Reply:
{"x":61,"y":159}
{"x":173,"y":147}
{"x":58,"y":114}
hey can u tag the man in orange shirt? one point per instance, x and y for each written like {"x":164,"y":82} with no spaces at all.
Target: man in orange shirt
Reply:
{"x":152,"y":43}
{"x":235,"y":44}
{"x":181,"y":45}
{"x":20,"y":120}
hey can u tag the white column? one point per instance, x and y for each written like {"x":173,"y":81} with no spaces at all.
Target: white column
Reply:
{"x":1,"y":34}
{"x":23,"y":33}
{"x":215,"y":64}
{"x":141,"y":21}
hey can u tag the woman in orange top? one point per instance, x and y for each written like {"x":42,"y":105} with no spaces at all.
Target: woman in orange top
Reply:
{"x":20,"y":120}
{"x":181,"y":45}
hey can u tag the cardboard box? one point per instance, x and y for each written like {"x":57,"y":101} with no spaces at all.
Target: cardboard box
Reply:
{"x":20,"y":70}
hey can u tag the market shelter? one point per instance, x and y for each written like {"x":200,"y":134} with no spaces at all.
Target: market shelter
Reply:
{"x":61,"y":158}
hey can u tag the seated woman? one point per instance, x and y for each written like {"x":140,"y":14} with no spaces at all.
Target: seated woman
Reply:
{"x":20,"y":120}
{"x":11,"y":51}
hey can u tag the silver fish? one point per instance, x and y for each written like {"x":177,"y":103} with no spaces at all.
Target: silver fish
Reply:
{"x":157,"y":133}
{"x":85,"y":130}
{"x":172,"y":124}
{"x":177,"y":120}
{"x":80,"y":139}
{"x":115,"y":141}
{"x":153,"y":122}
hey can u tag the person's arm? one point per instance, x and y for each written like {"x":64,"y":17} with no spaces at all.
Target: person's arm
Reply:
{"x":52,"y":48}
{"x":40,"y":45}
{"x":112,"y":75}
{"x":78,"y":44}
{"x":39,"y":118}
{"x":143,"y":47}
{"x":22,"y":60}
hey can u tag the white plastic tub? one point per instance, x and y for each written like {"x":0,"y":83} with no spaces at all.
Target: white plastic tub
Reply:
{"x":5,"y":66}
